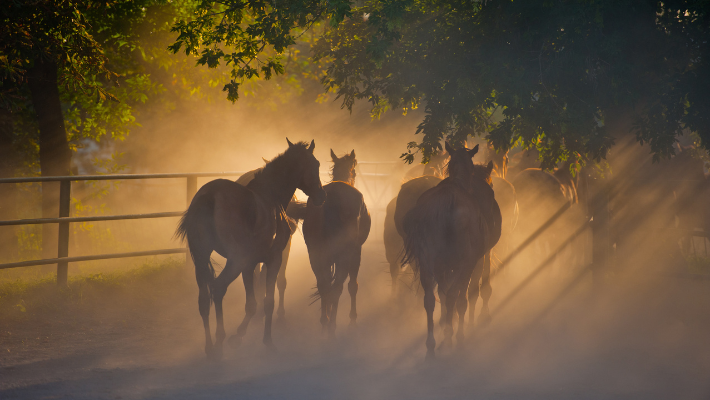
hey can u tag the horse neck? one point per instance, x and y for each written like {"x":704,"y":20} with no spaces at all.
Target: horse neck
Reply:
{"x":343,"y":175}
{"x":275,"y":187}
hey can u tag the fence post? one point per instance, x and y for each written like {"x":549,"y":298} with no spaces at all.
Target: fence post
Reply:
{"x":63,"y":249}
{"x":191,"y":190}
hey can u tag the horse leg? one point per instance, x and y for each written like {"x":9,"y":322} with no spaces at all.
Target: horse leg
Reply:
{"x":272,"y":272}
{"x":429,"y":303}
{"x":204,"y":301}
{"x":281,"y":280}
{"x":353,"y":285}
{"x":249,"y":307}
{"x":450,"y":304}
{"x":442,"y":302}
{"x":321,"y":269}
{"x":342,"y":267}
{"x":259,"y":285}
{"x":486,"y":289}
{"x":231,"y":271}
{"x":474,"y":290}
{"x":461,"y":306}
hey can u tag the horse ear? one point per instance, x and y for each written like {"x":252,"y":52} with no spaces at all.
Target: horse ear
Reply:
{"x":312,"y":146}
{"x":473,"y":151}
{"x":333,"y":156}
{"x":289,"y":143}
{"x":352,"y":154}
{"x":448,"y":148}
{"x":265,"y":160}
{"x":489,"y":168}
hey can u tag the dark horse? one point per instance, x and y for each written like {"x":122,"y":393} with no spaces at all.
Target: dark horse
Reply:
{"x":334,"y":233}
{"x":405,"y":200}
{"x":260,"y":273}
{"x":246,"y":225}
{"x":453,"y":226}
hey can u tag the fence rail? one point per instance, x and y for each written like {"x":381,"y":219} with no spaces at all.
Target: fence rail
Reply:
{"x":64,"y":219}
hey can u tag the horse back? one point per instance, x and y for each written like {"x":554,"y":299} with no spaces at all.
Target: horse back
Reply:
{"x":343,"y":219}
{"x":445,"y":221}
{"x":345,"y":210}
{"x":407,"y":198}
{"x":240,"y":215}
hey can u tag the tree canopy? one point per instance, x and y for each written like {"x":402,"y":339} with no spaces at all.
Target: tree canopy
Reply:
{"x":560,"y":75}
{"x":550,"y":74}
{"x":251,"y":37}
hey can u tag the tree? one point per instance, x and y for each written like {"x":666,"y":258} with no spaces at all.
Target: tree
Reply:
{"x":60,"y":59}
{"x":250,"y":37}
{"x":564,"y":76}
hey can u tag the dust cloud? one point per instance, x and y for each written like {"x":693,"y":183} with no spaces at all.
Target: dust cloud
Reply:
{"x":636,"y":328}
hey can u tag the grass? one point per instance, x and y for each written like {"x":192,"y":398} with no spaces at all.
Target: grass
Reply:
{"x":40,"y":294}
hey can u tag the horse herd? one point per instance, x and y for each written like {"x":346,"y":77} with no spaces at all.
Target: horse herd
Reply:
{"x":444,"y":225}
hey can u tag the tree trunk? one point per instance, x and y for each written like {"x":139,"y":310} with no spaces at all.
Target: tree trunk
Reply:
{"x":54,"y":152}
{"x":8,"y":191}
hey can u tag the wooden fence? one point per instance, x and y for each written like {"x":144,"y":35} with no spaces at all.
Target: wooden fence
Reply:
{"x":64,"y":219}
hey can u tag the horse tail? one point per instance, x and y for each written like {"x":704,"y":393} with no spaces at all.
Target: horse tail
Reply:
{"x":199,"y":211}
{"x":296,"y":210}
{"x":414,"y":241}
{"x":316,"y":294}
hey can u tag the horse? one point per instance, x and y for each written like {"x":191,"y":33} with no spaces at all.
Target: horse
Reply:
{"x":407,"y":197}
{"x":429,"y":176}
{"x":452,"y":226}
{"x":259,"y":271}
{"x":246,"y":225}
{"x":334,"y":233}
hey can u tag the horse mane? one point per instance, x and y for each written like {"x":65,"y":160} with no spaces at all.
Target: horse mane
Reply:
{"x":282,"y":160}
{"x":340,"y":173}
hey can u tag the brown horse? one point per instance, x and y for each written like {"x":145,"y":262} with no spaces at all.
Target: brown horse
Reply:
{"x":334,"y":233}
{"x":418,"y":179}
{"x":394,"y":232}
{"x":260,"y":272}
{"x":453,"y":226}
{"x":246,"y":225}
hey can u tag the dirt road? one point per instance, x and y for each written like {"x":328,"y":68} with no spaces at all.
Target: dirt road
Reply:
{"x":145,"y":342}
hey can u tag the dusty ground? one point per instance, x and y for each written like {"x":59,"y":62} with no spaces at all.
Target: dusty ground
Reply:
{"x":642,"y":340}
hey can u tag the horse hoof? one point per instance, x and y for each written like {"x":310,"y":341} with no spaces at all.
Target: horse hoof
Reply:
{"x":215,"y":354}
{"x":271,"y":348}
{"x":235,"y":341}
{"x":484,"y":320}
{"x":430,"y":356}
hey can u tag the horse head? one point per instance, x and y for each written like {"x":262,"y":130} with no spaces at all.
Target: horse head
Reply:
{"x":308,"y":172}
{"x":460,"y":165}
{"x":344,"y":167}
